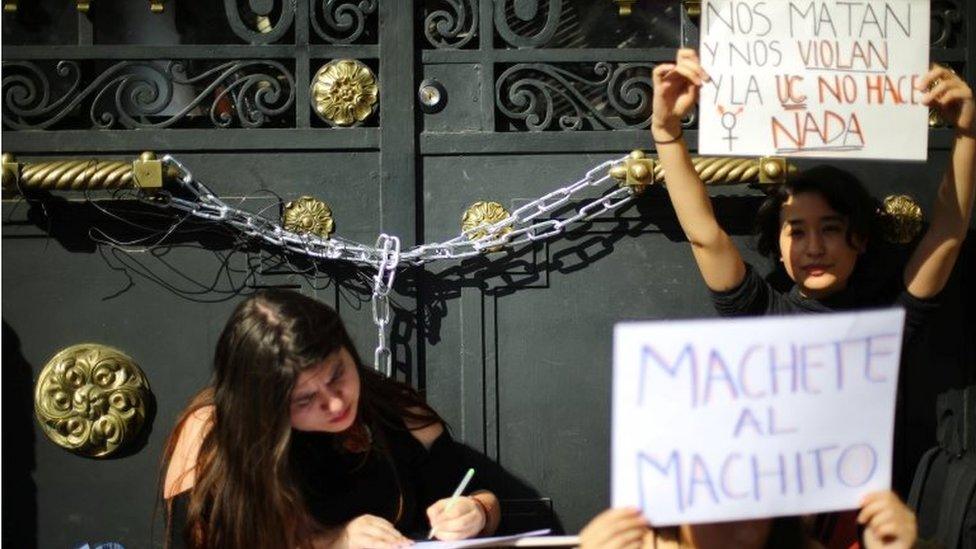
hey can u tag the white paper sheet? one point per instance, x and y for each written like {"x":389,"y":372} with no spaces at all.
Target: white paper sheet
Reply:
{"x":814,"y":78}
{"x":499,"y":541}
{"x":732,"y":419}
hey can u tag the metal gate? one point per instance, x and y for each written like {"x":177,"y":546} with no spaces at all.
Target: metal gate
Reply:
{"x":474,"y":101}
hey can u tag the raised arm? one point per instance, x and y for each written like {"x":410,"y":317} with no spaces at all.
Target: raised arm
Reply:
{"x":931,"y":263}
{"x":675,"y":93}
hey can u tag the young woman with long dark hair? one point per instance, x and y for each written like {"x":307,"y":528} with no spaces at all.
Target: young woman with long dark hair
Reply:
{"x":296,"y":444}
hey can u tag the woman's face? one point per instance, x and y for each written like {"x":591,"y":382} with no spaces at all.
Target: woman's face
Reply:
{"x":813,"y":245}
{"x":326,"y":396}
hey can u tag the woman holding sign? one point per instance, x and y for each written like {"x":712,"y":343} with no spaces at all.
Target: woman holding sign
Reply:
{"x":819,"y":224}
{"x":296,"y":444}
{"x":888,"y":525}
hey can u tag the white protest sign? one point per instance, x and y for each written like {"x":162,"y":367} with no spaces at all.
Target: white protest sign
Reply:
{"x":718,"y":420}
{"x":826,"y":78}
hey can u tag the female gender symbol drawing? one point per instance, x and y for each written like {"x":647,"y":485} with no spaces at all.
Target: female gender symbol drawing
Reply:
{"x":729,"y":120}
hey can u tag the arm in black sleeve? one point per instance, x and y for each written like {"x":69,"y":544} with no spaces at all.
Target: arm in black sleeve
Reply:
{"x":918,"y":313}
{"x":445,"y":465}
{"x":749,"y":298}
{"x":176,"y":524}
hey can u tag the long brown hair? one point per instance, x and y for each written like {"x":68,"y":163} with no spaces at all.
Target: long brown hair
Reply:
{"x":245,"y":493}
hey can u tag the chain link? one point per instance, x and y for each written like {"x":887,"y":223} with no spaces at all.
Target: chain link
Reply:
{"x":389,"y":248}
{"x":386,"y":256}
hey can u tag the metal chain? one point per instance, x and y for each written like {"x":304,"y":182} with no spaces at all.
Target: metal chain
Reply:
{"x":462,"y":246}
{"x":382,"y":284}
{"x":519,"y":227}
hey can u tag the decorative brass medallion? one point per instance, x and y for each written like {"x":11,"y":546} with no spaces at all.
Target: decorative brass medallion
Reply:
{"x":344,"y":92}
{"x":483,"y":214}
{"x":636,"y":172}
{"x":91,"y":399}
{"x":901,"y":219}
{"x":308,"y":215}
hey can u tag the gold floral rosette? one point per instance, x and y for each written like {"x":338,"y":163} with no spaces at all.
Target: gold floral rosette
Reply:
{"x":344,"y":92}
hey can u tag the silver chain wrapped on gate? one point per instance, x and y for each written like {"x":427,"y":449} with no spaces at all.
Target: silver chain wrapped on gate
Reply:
{"x":209,"y":207}
{"x":520,"y":221}
{"x":382,"y":284}
{"x":519,"y":227}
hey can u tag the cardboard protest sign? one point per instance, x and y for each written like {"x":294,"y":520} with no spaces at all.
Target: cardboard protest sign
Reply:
{"x":826,"y":78}
{"x":720,"y":420}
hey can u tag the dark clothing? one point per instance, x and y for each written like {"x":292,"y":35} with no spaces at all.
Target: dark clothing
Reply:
{"x":176,"y":526}
{"x":756,"y":297}
{"x":339,"y":485}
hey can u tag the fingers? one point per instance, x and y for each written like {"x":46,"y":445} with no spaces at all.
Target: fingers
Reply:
{"x":436,"y":509}
{"x":375,"y":532}
{"x":692,"y":72}
{"x":938,"y":92}
{"x":615,"y":528}
{"x":887,"y":518}
{"x":943,"y":87}
{"x":688,"y":72}
{"x":661,"y":71}
{"x":871,"y":505}
{"x":442,"y":510}
{"x":937,"y":72}
{"x":461,"y":520}
{"x":457,"y":523}
{"x":885,"y":526}
{"x":686,"y":65}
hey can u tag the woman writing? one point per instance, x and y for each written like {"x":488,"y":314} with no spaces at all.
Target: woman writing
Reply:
{"x":296,"y":444}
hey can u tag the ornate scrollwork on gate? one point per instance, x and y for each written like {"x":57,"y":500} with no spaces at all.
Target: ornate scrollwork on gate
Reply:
{"x":527,"y":23}
{"x":453,"y":25}
{"x":252,"y":21}
{"x":140,"y":94}
{"x":540,"y":96}
{"x":91,"y":399}
{"x":946,"y":23}
{"x":340,"y":21}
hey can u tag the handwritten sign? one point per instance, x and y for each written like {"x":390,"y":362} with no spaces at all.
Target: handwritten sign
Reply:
{"x":721,"y":420}
{"x":827,"y":78}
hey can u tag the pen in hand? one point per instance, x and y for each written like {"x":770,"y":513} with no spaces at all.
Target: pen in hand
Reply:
{"x":454,"y":497}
